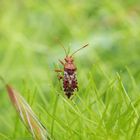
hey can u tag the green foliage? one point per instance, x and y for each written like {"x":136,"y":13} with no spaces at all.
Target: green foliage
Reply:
{"x":107,"y":105}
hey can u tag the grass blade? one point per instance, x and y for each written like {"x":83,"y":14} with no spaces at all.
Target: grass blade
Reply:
{"x":26,"y":114}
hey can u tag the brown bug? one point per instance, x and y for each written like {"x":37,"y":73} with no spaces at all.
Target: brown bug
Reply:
{"x":69,"y":73}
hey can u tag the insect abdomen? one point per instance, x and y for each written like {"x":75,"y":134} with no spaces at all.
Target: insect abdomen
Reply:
{"x":69,"y":83}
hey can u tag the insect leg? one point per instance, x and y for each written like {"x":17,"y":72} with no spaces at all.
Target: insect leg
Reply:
{"x":58,"y":70}
{"x":61,"y":62}
{"x":60,"y":77}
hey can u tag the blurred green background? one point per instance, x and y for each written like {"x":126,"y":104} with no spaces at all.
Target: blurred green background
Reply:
{"x":29,"y":52}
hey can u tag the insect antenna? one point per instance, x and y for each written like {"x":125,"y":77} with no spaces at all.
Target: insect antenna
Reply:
{"x":61,"y":44}
{"x":79,"y":49}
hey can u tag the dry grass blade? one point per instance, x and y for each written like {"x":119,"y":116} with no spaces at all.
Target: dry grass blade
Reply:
{"x":26,"y":114}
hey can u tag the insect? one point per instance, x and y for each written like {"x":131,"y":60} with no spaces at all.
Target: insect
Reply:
{"x":68,"y":73}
